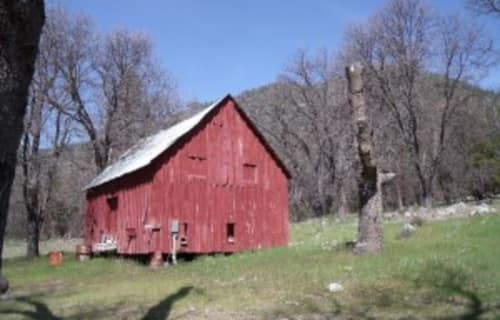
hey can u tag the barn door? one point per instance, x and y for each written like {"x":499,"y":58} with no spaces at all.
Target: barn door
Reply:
{"x":111,"y":214}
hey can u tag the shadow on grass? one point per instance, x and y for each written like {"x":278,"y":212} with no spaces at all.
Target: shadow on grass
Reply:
{"x":454,"y":284}
{"x":475,"y":309}
{"x":162,"y":309}
{"x":40,"y":311}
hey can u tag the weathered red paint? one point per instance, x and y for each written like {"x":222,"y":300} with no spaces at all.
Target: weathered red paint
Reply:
{"x":220,"y":176}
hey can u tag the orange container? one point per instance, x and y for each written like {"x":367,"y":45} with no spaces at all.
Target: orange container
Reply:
{"x":56,"y":258}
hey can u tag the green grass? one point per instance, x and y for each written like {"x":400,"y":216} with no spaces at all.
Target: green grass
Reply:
{"x":448,"y":269}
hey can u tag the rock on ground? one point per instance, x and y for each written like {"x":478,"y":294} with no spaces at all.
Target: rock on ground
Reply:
{"x":335,"y":287}
{"x":407,"y":231}
{"x":459,"y":209}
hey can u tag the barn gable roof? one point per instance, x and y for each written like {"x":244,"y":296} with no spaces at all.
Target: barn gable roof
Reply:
{"x":147,"y":149}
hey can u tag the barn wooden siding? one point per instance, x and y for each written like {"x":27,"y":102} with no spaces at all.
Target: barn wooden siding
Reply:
{"x":220,"y":173}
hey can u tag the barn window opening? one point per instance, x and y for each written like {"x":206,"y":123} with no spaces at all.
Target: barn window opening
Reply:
{"x":131,"y":233}
{"x":112,"y":202}
{"x":230,"y":232}
{"x":250,"y":172}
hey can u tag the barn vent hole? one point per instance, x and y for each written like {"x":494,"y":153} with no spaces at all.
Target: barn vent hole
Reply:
{"x":250,"y":172}
{"x":112,"y":202}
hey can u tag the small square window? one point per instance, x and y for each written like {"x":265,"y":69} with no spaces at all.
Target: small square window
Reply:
{"x":112,"y":202}
{"x":250,"y":172}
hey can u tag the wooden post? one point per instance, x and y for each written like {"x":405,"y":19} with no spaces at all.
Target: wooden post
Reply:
{"x":370,"y":227}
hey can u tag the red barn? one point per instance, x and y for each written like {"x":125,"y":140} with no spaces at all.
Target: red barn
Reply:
{"x":208,"y":184}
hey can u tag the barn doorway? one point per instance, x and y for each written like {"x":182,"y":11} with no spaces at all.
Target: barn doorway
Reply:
{"x":230,"y":232}
{"x":111,"y":215}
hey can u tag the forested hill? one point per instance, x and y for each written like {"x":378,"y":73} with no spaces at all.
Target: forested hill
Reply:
{"x":310,"y":128}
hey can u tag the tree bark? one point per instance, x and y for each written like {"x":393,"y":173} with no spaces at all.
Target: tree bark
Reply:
{"x":33,"y":237}
{"x":370,"y":228}
{"x":399,"y":194}
{"x":427,"y":197}
{"x":20,"y":27}
{"x":343,"y":203}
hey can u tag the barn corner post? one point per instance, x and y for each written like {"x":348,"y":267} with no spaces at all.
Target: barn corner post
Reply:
{"x":370,"y":225}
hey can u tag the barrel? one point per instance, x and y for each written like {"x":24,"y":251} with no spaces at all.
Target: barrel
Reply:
{"x":83,"y":252}
{"x":156,"y":260}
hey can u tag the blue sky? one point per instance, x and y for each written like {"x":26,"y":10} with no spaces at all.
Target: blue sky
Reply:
{"x":217,"y":47}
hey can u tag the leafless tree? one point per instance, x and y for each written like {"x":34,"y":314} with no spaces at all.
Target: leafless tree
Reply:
{"x":422,"y":71}
{"x":485,"y":6}
{"x":302,"y":117}
{"x":40,"y":167}
{"x":20,"y":25}
{"x":47,"y":131}
{"x":113,"y":86}
{"x":137,"y":95}
{"x":307,"y":86}
{"x":479,"y":137}
{"x":110,"y":89}
{"x":420,"y":68}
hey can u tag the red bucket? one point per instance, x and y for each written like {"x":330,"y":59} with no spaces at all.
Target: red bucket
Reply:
{"x":56,"y":258}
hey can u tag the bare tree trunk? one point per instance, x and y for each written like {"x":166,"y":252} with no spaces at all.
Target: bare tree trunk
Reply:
{"x":428,"y":200}
{"x":343,"y":203}
{"x":444,"y":190}
{"x":370,"y":230}
{"x":401,"y":204}
{"x":33,"y":237}
{"x":491,"y":7}
{"x":20,"y":26}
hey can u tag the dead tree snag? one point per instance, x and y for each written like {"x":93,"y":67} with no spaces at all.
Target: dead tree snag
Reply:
{"x":370,"y":229}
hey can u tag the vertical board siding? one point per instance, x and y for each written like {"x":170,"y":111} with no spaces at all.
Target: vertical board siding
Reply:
{"x":220,"y":173}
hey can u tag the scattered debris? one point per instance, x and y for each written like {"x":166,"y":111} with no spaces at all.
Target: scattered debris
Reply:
{"x":335,"y":287}
{"x":418,"y":215}
{"x":481,"y":209}
{"x":457,"y":209}
{"x":292,"y":303}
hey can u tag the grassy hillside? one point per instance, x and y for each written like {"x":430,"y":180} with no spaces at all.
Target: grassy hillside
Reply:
{"x":448,"y":269}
